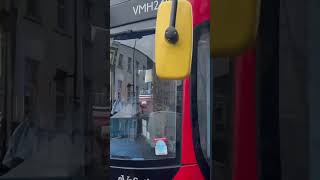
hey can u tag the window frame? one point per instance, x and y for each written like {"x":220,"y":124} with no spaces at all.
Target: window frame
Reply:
{"x":201,"y":159}
{"x":116,"y":163}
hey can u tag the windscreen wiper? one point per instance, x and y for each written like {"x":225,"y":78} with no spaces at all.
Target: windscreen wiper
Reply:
{"x":132,"y":34}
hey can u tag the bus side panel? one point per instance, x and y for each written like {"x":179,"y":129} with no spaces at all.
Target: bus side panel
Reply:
{"x":201,"y":11}
{"x":187,"y":154}
{"x":245,"y":135}
{"x":189,"y":173}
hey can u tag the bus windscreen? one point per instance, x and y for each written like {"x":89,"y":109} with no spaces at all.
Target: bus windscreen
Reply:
{"x":145,"y":110}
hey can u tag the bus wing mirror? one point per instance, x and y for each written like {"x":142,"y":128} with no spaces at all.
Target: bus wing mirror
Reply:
{"x":173,"y":40}
{"x":234,"y":25}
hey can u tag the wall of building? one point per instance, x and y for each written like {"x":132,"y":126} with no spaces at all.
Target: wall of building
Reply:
{"x":40,"y":49}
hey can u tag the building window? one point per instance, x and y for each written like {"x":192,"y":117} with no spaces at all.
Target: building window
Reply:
{"x":119,"y":88}
{"x":120,"y":61}
{"x":60,"y":98}
{"x":137,"y":90}
{"x":100,"y":99}
{"x":30,"y":86}
{"x":33,"y":8}
{"x":111,"y":58}
{"x":137,"y":68}
{"x":144,"y":72}
{"x":61,"y":11}
{"x":129,"y":64}
{"x":88,"y":9}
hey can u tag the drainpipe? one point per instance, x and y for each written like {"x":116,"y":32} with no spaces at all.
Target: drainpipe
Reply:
{"x":75,"y":75}
{"x":13,"y":37}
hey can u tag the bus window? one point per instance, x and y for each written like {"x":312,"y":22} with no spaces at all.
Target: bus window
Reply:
{"x":202,"y":99}
{"x":222,"y":114}
{"x":204,"y":93}
{"x":145,"y":110}
{"x":212,"y":94}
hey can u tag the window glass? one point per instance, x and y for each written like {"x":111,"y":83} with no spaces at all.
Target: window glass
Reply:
{"x":213,"y":106}
{"x":204,"y":91}
{"x":61,"y":8}
{"x":32,"y":8}
{"x":60,"y":100}
{"x":222,"y":115}
{"x":129,"y":64}
{"x":120,"y":60}
{"x":144,"y":112}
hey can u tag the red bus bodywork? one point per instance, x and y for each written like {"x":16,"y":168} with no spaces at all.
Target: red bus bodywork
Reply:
{"x":190,"y":169}
{"x":244,"y":154}
{"x":244,"y":141}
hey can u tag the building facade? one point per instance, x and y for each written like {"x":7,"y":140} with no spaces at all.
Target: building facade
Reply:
{"x":54,"y":73}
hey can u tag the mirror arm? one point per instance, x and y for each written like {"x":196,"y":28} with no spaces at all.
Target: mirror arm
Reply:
{"x":171,"y":33}
{"x":173,"y":13}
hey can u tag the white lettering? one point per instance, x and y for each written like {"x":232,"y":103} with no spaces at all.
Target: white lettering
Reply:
{"x":150,"y":6}
{"x":135,"y":10}
{"x":156,"y":5}
{"x":146,"y":7}
{"x":121,"y":177}
{"x":143,"y":8}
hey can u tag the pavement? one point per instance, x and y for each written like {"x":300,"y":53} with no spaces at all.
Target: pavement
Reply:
{"x":61,"y":157}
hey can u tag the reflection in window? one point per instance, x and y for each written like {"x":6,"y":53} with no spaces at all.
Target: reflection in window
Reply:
{"x":120,"y":61}
{"x":204,"y":93}
{"x":138,"y":68}
{"x":129,"y":64}
{"x":145,"y":117}
{"x":222,"y":118}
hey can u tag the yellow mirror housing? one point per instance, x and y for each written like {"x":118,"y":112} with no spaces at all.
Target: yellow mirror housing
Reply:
{"x":234,"y":25}
{"x":173,"y":60}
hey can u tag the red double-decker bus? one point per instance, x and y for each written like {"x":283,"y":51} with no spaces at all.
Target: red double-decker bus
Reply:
{"x":168,"y":129}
